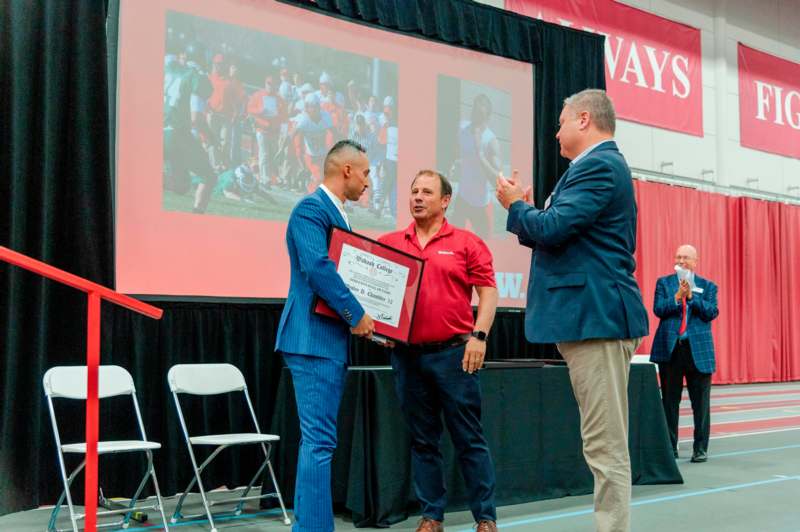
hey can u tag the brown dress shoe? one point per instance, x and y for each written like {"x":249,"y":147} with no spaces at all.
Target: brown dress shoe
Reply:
{"x":486,"y":526}
{"x":426,"y":524}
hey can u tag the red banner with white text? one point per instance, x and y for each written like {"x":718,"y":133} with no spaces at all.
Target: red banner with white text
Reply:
{"x":653,"y":69}
{"x":769,"y":103}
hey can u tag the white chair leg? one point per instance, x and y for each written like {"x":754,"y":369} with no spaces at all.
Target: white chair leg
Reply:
{"x":286,"y":520}
{"x":67,"y":494}
{"x":202,"y":491}
{"x":158,"y":497}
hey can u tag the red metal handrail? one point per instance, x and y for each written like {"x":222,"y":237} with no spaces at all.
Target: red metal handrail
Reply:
{"x":96,"y":293}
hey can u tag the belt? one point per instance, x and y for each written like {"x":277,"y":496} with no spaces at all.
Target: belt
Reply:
{"x":434,"y":347}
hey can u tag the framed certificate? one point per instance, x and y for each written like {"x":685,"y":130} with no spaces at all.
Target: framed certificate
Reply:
{"x":383,"y":279}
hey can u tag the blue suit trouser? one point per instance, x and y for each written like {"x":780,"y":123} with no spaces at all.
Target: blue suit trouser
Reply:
{"x":318,"y":386}
{"x":428,"y":386}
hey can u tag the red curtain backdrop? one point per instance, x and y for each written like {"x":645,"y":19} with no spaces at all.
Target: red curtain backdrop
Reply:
{"x":750,"y":249}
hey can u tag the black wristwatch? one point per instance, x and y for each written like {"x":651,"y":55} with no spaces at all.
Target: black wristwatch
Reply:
{"x":480,"y":335}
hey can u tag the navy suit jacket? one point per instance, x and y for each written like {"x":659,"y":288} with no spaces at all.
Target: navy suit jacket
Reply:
{"x":313,"y":273}
{"x":702,"y":309}
{"x":581,"y":283}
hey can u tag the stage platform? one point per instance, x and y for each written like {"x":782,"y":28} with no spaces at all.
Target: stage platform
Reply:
{"x":749,"y":483}
{"x":531,"y":421}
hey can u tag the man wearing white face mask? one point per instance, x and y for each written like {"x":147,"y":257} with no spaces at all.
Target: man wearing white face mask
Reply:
{"x":683,"y":346}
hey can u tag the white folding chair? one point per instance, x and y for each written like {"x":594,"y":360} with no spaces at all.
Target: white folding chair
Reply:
{"x":69,"y":382}
{"x":214,"y":379}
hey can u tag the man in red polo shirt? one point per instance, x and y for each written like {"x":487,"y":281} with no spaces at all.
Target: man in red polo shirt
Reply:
{"x":437,"y":371}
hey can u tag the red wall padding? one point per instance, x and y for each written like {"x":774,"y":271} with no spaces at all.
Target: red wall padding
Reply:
{"x":751,"y":250}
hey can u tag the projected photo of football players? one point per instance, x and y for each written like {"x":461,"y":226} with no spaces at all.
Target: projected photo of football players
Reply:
{"x":237,"y":98}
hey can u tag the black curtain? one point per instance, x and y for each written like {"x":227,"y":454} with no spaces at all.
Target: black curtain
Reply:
{"x":56,"y":187}
{"x":56,"y":199}
{"x":571,"y":61}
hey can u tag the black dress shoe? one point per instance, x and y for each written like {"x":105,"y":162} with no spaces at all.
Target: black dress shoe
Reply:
{"x":699,"y":456}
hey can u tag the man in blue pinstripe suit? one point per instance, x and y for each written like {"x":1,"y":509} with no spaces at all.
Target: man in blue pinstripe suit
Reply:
{"x":683,"y":346}
{"x":314,"y":347}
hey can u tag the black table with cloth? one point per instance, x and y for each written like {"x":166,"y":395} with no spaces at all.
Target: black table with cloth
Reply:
{"x":530,"y":419}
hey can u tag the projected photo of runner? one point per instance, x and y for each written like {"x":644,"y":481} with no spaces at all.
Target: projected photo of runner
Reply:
{"x":248,"y":118}
{"x":474,"y":145}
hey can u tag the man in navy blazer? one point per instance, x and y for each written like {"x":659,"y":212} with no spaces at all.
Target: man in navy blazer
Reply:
{"x":582,"y":294}
{"x":314,"y":347}
{"x":683,"y":347}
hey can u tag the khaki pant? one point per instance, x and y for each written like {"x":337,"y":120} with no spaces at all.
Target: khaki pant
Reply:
{"x":598,"y":370}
